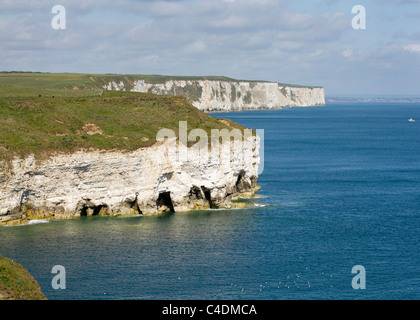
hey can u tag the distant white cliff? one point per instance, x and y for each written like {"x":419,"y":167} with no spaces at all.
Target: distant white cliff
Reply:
{"x":212,"y":95}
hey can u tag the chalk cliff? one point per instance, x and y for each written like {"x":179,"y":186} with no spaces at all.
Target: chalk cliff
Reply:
{"x":212,"y":95}
{"x":145,"y":181}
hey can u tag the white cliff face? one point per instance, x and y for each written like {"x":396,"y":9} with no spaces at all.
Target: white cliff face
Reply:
{"x":144,"y":181}
{"x":232,"y":95}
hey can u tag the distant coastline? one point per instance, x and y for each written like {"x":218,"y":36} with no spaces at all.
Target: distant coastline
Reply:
{"x":372,"y":99}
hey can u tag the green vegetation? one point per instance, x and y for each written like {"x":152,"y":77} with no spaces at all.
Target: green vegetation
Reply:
{"x":161,"y":79}
{"x":29,"y":83}
{"x":248,"y":97}
{"x":16,"y":283}
{"x":89,"y":84}
{"x":14,"y":85}
{"x":191,"y":92}
{"x":232,"y":94}
{"x":298,"y":86}
{"x":63,"y":121}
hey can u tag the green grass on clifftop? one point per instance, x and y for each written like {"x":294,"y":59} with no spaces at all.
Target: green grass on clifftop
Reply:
{"x":76,"y":84}
{"x":16,"y":283}
{"x":112,"y":120}
{"x":79,"y":84}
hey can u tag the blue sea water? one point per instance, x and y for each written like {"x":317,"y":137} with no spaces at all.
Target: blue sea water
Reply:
{"x":340,"y":188}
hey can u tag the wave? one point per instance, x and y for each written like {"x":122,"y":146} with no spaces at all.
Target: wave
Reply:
{"x":36,"y":221}
{"x":221,"y":209}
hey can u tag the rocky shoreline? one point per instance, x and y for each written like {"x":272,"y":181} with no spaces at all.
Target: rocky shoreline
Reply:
{"x":116,"y":183}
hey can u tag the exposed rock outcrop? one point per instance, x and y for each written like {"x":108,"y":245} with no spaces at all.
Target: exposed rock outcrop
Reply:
{"x":145,"y":181}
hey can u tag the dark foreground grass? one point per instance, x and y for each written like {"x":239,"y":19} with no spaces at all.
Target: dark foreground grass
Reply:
{"x":16,"y":283}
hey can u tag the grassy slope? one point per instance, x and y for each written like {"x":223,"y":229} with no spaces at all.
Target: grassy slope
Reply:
{"x":125,"y":121}
{"x":16,"y":283}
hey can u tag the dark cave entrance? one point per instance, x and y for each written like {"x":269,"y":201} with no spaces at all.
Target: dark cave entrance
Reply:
{"x":164,"y":202}
{"x":242,"y":185}
{"x":207,"y":195}
{"x":84,"y":211}
{"x":134,"y":204}
{"x":93,"y":210}
{"x":195,"y":193}
{"x":97,"y":210}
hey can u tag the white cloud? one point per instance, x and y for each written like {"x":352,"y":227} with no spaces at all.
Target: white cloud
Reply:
{"x":233,"y":21}
{"x":348,"y":53}
{"x":412,"y":48}
{"x":166,"y":8}
{"x":308,"y":42}
{"x":195,"y":47}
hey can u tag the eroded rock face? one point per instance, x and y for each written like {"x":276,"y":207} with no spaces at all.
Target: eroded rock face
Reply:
{"x":227,"y":96}
{"x":145,"y":181}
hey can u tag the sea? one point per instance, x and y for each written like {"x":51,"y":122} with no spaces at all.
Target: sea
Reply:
{"x":337,"y":218}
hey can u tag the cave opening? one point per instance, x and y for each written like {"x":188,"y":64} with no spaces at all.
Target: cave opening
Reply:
{"x":136,"y":208}
{"x":207,"y":195}
{"x":84,"y":211}
{"x":195,"y":193}
{"x":97,"y":210}
{"x":88,"y":210}
{"x":242,"y":185}
{"x":134,"y":204}
{"x":164,"y":202}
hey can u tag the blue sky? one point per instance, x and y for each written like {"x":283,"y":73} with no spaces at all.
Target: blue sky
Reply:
{"x":301,"y":42}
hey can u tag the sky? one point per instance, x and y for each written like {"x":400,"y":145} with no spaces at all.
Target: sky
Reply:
{"x":298,"y":42}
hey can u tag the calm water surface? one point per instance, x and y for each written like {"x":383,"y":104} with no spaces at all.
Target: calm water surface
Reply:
{"x":340,"y":187}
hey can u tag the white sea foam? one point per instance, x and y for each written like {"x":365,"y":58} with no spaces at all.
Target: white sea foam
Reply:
{"x":222,"y":209}
{"x":36,"y":221}
{"x":129,"y":216}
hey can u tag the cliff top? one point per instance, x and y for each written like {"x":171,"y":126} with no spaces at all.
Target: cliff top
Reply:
{"x":66,"y":121}
{"x":76,"y":84}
